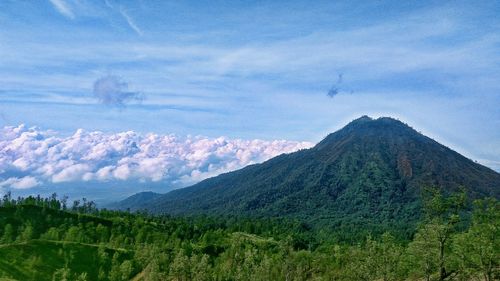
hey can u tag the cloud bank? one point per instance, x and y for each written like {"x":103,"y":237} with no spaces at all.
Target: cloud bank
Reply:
{"x":30,"y":156}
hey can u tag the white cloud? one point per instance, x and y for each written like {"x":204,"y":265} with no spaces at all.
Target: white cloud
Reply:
{"x":72,"y":173}
{"x":19,"y":183}
{"x":63,"y":8}
{"x":44,"y":156}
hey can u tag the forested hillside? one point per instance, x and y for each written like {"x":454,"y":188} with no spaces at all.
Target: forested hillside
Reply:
{"x":45,"y":239}
{"x":365,"y":178}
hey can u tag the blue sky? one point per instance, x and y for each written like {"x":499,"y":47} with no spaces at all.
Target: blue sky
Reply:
{"x":254,"y":69}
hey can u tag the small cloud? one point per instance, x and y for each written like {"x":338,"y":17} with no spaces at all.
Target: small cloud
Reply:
{"x":337,"y":88}
{"x":333,"y":91}
{"x":63,"y":8}
{"x":112,"y":90}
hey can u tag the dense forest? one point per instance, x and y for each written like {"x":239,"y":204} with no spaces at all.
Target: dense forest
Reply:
{"x":49,"y":239}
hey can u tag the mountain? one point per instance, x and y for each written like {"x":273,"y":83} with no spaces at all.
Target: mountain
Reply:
{"x":368,"y":176}
{"x":132,"y":201}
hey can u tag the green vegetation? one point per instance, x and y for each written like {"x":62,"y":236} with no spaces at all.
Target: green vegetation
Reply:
{"x":44,"y":239}
{"x":351,"y":208}
{"x":365,"y":178}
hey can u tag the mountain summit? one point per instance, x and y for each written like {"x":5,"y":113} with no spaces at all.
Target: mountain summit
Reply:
{"x":368,"y":176}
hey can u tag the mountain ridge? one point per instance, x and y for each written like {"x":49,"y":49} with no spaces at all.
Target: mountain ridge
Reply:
{"x":371,"y":172}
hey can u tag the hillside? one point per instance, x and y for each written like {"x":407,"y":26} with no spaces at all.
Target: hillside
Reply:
{"x":43,"y":243}
{"x":367,"y":176}
{"x":43,"y":239}
{"x":41,"y":259}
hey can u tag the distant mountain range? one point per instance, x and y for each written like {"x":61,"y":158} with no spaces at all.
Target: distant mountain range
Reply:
{"x":368,"y":176}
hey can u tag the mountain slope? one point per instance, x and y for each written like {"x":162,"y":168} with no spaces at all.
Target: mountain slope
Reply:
{"x":369,"y":174}
{"x":135,"y":200}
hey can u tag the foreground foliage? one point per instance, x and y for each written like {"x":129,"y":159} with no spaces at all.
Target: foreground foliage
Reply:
{"x":44,"y":239}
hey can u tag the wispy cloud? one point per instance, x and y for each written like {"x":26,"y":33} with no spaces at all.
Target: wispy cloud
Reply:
{"x":63,"y":8}
{"x":130,"y":21}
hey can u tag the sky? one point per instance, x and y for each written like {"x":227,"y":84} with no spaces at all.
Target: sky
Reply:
{"x":92,"y":93}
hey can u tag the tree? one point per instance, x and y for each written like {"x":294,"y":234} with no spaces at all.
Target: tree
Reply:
{"x":126,"y":269}
{"x":479,"y":247}
{"x":267,"y":270}
{"x":8,"y":234}
{"x":384,"y":257}
{"x":431,"y":248}
{"x":51,"y":234}
{"x":34,"y":263}
{"x":7,"y":199}
{"x":69,"y":257}
{"x":53,"y":202}
{"x":115,"y":273}
{"x":357,"y":264}
{"x":73,"y":234}
{"x":82,"y":277}
{"x":62,"y":274}
{"x":27,"y":233}
{"x":152,"y":272}
{"x":101,"y":275}
{"x":102,"y":255}
{"x":424,"y":251}
{"x":200,"y":269}
{"x":300,"y":265}
{"x":64,"y":202}
{"x":102,"y":233}
{"x":179,"y":268}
